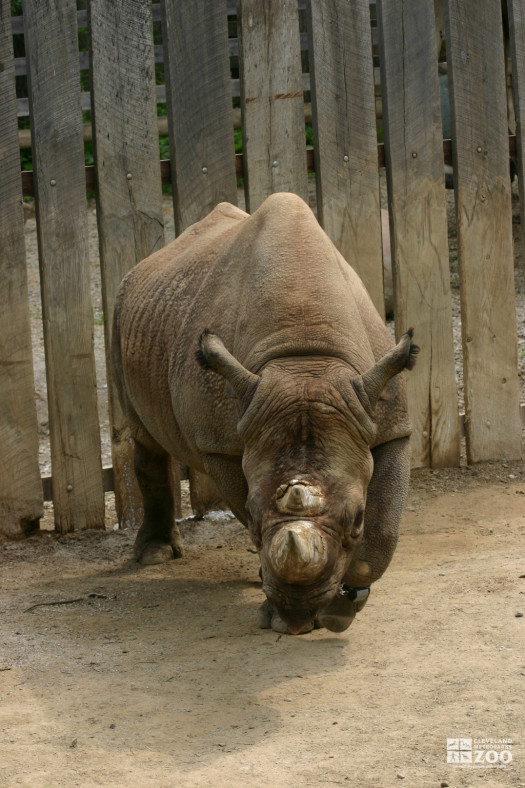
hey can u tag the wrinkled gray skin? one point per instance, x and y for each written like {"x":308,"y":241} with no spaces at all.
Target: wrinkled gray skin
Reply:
{"x":249,"y":350}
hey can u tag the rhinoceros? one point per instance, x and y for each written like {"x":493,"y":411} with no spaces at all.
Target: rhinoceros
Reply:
{"x":249,"y":350}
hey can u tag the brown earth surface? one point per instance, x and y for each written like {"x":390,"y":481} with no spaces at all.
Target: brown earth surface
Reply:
{"x":113,"y":674}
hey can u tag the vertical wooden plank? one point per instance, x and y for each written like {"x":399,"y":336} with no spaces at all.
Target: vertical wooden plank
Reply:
{"x":198,"y":94}
{"x":516,"y":11}
{"x":58,"y":161}
{"x":344,"y":123}
{"x":418,"y":222}
{"x":21,"y":503}
{"x":129,"y":193}
{"x":271,"y":100}
{"x":483,"y":203}
{"x":199,"y":103}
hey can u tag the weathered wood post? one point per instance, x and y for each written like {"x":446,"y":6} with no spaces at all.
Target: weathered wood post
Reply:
{"x":344,"y":123}
{"x":51,"y":41}
{"x":198,"y":97}
{"x":484,"y":215}
{"x":418,"y":222}
{"x":129,"y":195}
{"x":271,"y":100}
{"x":202,"y":152}
{"x":20,"y":487}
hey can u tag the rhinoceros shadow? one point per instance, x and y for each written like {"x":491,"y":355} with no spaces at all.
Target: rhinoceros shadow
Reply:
{"x":169,"y":655}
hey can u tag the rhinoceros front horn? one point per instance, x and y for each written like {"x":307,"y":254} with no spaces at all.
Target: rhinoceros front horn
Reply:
{"x":213,"y":355}
{"x":402,"y":356}
{"x":298,"y":553}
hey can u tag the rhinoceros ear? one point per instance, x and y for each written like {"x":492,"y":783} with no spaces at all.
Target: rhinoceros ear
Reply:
{"x":213,"y":355}
{"x":402,"y":356}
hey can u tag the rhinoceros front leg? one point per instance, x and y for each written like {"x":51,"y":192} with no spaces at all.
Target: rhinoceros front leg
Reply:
{"x":228,"y":475}
{"x":384,"y":505}
{"x":158,"y":538}
{"x":226,"y":471}
{"x":386,"y":496}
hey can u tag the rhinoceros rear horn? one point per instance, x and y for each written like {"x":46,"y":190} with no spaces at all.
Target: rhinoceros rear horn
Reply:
{"x":402,"y":356}
{"x":213,"y":355}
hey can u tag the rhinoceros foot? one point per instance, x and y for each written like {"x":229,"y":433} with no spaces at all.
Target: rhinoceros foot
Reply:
{"x":156,"y":553}
{"x":268,"y":618}
{"x":334,"y":623}
{"x":149,"y":551}
{"x":342,"y":610}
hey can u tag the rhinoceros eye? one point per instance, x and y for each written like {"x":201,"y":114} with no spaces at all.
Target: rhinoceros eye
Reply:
{"x":352,"y":525}
{"x":357,"y":526}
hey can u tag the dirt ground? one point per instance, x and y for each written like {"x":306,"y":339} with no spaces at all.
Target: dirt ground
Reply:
{"x":117,"y":675}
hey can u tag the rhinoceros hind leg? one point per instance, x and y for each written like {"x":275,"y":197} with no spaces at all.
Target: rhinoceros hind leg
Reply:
{"x":158,"y":538}
{"x":155,"y":553}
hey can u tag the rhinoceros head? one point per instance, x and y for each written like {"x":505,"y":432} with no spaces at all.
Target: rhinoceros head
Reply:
{"x":307,"y":427}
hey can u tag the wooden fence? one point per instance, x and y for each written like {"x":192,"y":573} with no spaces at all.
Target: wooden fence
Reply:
{"x":198,"y":90}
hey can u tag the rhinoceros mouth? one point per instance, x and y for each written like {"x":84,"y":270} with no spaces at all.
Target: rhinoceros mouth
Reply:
{"x":298,"y":608}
